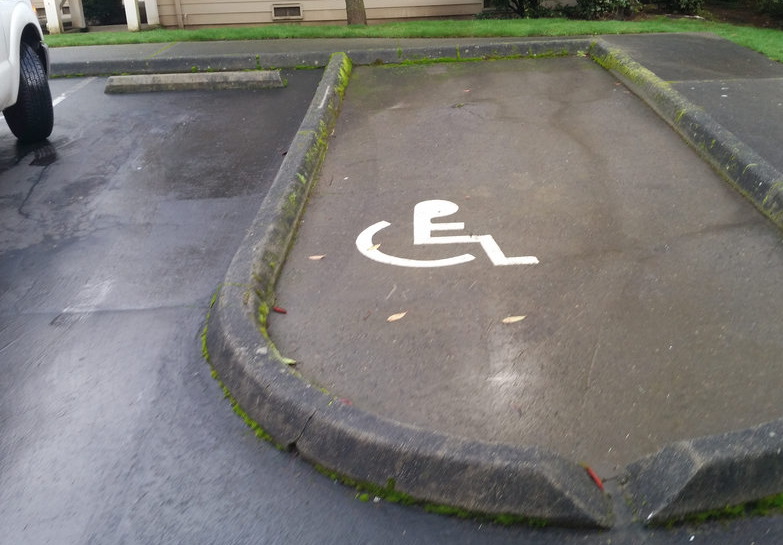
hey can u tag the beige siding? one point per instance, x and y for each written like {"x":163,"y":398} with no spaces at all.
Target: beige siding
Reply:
{"x":381,"y":14}
{"x":198,"y":13}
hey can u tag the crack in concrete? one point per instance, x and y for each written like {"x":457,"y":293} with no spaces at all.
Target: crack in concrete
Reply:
{"x":292,"y":444}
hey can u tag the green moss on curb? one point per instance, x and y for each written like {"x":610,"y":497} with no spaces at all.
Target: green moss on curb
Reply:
{"x":252,"y":424}
{"x":494,"y":56}
{"x":770,"y":505}
{"x":388,"y":493}
{"x":267,"y":270}
{"x":617,"y":61}
{"x":364,"y":490}
{"x":345,"y":75}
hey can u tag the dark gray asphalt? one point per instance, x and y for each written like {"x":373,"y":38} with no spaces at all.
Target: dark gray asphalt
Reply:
{"x":114,"y":236}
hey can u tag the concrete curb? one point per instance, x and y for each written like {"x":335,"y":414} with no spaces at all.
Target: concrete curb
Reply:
{"x":437,"y":468}
{"x":522,"y":48}
{"x":236,"y":62}
{"x":156,"y":65}
{"x":742,"y":167}
{"x":683,"y":478}
{"x":708,"y":473}
{"x":712,"y":472}
{"x":257,"y":79}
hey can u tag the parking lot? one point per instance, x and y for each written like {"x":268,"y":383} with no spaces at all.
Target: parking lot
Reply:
{"x":492,"y":252}
{"x":114,"y":235}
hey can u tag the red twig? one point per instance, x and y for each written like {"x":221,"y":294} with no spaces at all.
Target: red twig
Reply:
{"x":595,"y":477}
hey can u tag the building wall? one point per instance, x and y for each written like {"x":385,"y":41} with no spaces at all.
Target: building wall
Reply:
{"x":201,"y":13}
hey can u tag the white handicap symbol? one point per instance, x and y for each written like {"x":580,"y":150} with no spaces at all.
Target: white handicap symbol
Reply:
{"x":423,"y":214}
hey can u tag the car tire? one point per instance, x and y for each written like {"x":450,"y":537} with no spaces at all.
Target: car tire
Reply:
{"x":32,"y":117}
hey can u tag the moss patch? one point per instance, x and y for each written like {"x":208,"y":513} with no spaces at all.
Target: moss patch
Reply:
{"x":252,"y":424}
{"x":770,"y":505}
{"x":389,"y":493}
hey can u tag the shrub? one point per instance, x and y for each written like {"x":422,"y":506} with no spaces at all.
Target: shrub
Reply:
{"x":520,"y":8}
{"x":772,"y":7}
{"x":606,"y":9}
{"x":688,"y":7}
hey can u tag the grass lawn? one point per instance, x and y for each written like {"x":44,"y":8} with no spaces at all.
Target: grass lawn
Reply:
{"x":764,"y":40}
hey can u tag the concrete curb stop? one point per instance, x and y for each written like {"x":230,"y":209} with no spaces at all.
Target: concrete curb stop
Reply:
{"x":471,"y":475}
{"x":742,"y":167}
{"x":145,"y":83}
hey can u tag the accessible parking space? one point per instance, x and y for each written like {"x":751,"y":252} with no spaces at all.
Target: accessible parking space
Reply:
{"x":522,"y":252}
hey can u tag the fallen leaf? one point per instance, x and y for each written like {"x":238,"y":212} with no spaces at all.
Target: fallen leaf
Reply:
{"x":280,"y":310}
{"x":395,"y":317}
{"x":373,"y":247}
{"x":316,"y":257}
{"x":594,"y":476}
{"x":513,"y":319}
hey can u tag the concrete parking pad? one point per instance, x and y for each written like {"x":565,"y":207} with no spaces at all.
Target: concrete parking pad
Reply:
{"x":651,"y":315}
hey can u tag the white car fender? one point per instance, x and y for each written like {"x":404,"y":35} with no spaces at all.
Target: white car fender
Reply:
{"x":21,"y":16}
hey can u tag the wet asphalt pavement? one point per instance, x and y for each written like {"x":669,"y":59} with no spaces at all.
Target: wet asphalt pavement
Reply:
{"x":114,"y":237}
{"x":113,"y":240}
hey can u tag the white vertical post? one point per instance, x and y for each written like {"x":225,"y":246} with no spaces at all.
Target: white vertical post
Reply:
{"x":151,"y":7}
{"x":54,"y":17}
{"x":132,"y":15}
{"x":77,"y":14}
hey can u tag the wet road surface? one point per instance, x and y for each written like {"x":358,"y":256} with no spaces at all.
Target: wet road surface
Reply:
{"x":114,"y":239}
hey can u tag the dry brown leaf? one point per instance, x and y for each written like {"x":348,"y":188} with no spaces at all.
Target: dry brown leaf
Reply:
{"x":513,"y":319}
{"x":395,"y":317}
{"x":316,"y":257}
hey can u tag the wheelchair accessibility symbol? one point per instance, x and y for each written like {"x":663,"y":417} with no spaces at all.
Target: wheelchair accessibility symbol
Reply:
{"x":423,"y":214}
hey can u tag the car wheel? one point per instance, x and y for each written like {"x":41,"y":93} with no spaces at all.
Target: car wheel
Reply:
{"x":32,"y":117}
